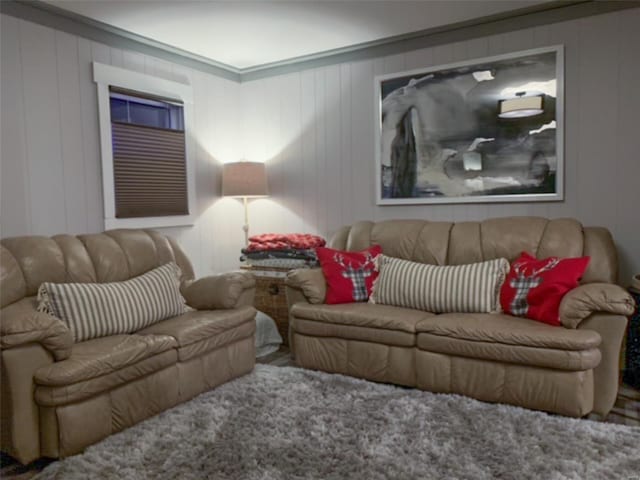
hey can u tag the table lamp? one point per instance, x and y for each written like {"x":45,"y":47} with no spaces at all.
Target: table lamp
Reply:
{"x":244,"y":180}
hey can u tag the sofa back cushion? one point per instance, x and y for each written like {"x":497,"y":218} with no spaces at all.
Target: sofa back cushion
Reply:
{"x":447,"y":243}
{"x":13,"y":286}
{"x":40,"y":260}
{"x":112,"y":256}
{"x":93,"y":310}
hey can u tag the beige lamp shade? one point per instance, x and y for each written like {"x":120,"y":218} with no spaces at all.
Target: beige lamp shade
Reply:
{"x":521,"y":106}
{"x":244,"y":179}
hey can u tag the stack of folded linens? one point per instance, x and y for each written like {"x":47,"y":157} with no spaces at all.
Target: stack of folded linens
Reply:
{"x":282,"y":250}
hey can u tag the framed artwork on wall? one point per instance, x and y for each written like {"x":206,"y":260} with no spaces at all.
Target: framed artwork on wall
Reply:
{"x":486,"y":130}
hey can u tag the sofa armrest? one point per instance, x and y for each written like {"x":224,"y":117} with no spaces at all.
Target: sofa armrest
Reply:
{"x":611,"y":329}
{"x":20,"y":413}
{"x":225,"y":291}
{"x":20,"y":325}
{"x":304,"y":285}
{"x":590,"y":298}
{"x":309,"y":281}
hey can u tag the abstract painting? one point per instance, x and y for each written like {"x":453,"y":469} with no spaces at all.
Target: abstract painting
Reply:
{"x":487,"y":130}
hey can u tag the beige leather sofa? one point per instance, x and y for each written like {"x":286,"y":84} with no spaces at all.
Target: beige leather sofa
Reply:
{"x":57,"y":396}
{"x":571,"y":370}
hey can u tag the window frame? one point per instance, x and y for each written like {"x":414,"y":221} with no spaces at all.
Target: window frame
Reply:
{"x":107,"y":75}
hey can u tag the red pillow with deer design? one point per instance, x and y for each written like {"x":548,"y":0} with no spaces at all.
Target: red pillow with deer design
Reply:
{"x":534,"y":288}
{"x":349,"y":275}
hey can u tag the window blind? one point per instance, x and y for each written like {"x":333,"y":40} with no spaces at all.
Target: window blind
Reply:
{"x":149,"y":166}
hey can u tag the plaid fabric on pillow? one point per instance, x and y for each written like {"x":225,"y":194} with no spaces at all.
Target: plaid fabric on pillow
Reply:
{"x":534,"y":288}
{"x":349,"y":275}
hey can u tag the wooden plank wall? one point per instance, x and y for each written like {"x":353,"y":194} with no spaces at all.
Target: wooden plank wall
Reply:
{"x":51,"y":173}
{"x":322,"y":172}
{"x":315,"y":130}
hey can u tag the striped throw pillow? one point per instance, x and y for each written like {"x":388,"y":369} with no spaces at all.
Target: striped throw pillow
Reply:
{"x":94,"y":310}
{"x":472,"y":288}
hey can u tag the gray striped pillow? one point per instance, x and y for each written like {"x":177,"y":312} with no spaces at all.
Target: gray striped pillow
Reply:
{"x":94,"y":310}
{"x":473,"y":288}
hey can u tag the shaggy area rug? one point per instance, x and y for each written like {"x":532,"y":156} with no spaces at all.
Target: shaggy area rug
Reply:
{"x":289,"y":423}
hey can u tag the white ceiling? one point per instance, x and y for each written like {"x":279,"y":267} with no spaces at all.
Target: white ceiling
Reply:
{"x":245,"y":34}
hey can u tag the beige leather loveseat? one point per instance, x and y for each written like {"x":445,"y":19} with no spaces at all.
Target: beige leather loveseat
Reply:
{"x":571,"y":370}
{"x":57,"y":396}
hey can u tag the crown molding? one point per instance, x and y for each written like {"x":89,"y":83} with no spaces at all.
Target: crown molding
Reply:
{"x":545,"y":14}
{"x":550,"y":12}
{"x":59,"y":19}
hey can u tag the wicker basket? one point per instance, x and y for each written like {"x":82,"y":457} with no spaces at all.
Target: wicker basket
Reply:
{"x":271,"y":297}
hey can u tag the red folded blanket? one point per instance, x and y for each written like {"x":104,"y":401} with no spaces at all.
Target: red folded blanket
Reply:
{"x":284,"y":241}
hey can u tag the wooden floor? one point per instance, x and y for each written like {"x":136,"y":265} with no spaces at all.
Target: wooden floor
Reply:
{"x":281,"y":358}
{"x":626,"y":411}
{"x":627,"y":407}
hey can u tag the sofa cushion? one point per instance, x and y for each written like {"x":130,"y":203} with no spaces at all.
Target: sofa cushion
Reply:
{"x":94,"y":310}
{"x":434,"y":288}
{"x":534,"y":288}
{"x":362,"y":315}
{"x":383,"y":336}
{"x":198,"y":332}
{"x":349,"y":275}
{"x":13,"y":286}
{"x":101,"y":356}
{"x":50,"y":396}
{"x":572,"y":360}
{"x":508,"y":330}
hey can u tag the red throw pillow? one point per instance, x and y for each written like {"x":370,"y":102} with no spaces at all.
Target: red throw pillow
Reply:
{"x":349,"y":275}
{"x":534,"y":288}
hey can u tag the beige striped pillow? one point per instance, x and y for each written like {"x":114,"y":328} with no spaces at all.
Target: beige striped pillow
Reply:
{"x":473,"y":288}
{"x":94,"y":310}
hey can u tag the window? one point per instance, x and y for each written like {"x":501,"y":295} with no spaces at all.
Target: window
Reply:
{"x":149,"y":169}
{"x":148,"y":175}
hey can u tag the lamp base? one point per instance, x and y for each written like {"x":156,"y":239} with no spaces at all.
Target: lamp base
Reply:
{"x":245,"y":227}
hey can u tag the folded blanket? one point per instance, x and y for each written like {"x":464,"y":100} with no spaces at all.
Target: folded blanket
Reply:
{"x":284,"y":241}
{"x":307,"y":255}
{"x":288,"y":253}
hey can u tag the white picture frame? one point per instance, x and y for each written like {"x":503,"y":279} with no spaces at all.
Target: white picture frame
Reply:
{"x":484,"y":130}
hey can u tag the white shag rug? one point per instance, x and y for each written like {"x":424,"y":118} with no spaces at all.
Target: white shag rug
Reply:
{"x":290,"y":423}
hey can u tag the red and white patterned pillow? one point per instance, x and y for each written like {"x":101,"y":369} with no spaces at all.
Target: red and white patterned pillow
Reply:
{"x":534,"y":288}
{"x":349,"y":275}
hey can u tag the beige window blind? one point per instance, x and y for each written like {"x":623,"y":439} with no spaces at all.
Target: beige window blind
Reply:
{"x":149,"y":163}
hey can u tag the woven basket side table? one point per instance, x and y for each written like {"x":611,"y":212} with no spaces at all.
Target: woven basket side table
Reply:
{"x":271,"y":297}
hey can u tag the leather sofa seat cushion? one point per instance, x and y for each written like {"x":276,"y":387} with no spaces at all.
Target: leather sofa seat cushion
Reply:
{"x":363,"y":315}
{"x":384,"y":336}
{"x":195,"y":326}
{"x":53,"y":396}
{"x":508,"y":330}
{"x":102,"y":356}
{"x":570,"y":360}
